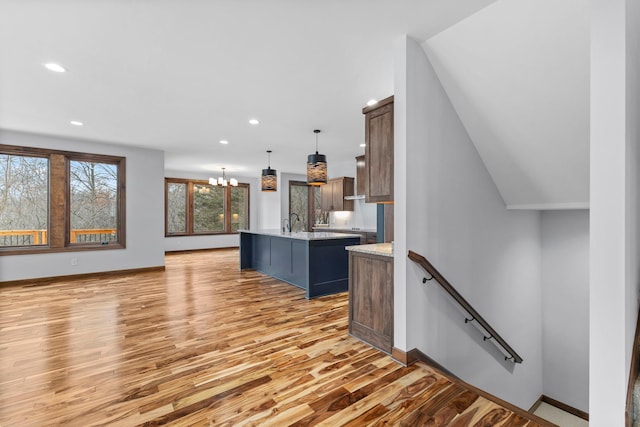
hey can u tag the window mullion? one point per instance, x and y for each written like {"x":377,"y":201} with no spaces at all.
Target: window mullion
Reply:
{"x":58,"y":201}
{"x":190,"y":207}
{"x":227,"y":210}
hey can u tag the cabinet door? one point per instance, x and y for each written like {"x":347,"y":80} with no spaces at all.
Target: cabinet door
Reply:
{"x":346,"y":189}
{"x":333,"y":192}
{"x":338,"y":195}
{"x":372,"y":238}
{"x":326,"y":196}
{"x":371,"y":300}
{"x":379,"y":152}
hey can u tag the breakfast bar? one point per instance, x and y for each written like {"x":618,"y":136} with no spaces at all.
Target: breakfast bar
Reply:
{"x":314,"y":261}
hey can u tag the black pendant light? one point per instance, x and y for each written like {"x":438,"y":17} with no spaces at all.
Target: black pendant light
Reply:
{"x":316,"y":166}
{"x":269,"y":176}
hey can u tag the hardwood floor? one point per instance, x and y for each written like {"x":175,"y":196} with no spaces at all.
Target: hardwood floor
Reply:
{"x":205,"y":344}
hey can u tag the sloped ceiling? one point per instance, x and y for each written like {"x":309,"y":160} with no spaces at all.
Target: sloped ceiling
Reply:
{"x":517,"y":72}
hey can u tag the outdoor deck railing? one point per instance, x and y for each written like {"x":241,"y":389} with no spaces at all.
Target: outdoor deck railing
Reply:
{"x":39,"y":237}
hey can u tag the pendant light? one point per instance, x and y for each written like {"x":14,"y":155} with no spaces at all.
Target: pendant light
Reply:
{"x":316,"y":166}
{"x":222,"y":181}
{"x":269,"y":176}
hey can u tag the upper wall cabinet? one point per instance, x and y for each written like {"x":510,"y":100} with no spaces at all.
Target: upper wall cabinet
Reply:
{"x":360,"y":175}
{"x":333,"y":194}
{"x":378,"y":133}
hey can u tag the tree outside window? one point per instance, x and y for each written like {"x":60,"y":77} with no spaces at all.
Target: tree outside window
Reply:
{"x":24,"y":200}
{"x":195,"y":207}
{"x":304,"y":200}
{"x":208,"y":208}
{"x":176,"y":200}
{"x":52,"y":201}
{"x":94,"y":202}
{"x":239,"y":208}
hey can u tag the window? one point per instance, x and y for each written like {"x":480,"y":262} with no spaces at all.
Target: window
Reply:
{"x":239,"y":207}
{"x":24,"y":200}
{"x":208,"y":208}
{"x":195,"y":207}
{"x":176,"y":202}
{"x":94,"y":202}
{"x":53,"y":201}
{"x":304,"y":200}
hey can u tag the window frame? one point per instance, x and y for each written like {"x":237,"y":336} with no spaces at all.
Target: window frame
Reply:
{"x":168,"y":181}
{"x":189,"y":207}
{"x":59,"y":201}
{"x":120,"y":214}
{"x":311,"y":204}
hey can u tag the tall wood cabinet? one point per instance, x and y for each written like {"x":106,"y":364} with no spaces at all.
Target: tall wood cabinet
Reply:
{"x":379,"y":152}
{"x":333,"y":192}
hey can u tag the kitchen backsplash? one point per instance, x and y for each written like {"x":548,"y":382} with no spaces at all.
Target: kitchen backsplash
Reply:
{"x":363,"y":216}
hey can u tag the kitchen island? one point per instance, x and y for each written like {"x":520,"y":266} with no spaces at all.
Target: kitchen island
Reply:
{"x":314,"y":261}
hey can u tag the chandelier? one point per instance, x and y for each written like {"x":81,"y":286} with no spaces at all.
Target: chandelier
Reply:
{"x":222,"y":181}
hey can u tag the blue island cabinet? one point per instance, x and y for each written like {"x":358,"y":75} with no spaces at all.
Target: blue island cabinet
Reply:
{"x":314,"y":261}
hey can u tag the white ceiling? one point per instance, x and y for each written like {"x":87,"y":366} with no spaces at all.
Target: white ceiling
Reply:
{"x":181,"y":75}
{"x":517,"y":73}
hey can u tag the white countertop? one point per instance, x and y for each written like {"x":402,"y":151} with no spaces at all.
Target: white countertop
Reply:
{"x":346,"y":229}
{"x":302,"y":235}
{"x":384,"y":249}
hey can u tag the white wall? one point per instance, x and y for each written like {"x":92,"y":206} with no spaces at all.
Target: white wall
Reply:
{"x":614,"y":263}
{"x":182,"y":243}
{"x":565,"y":307}
{"x":456,"y":218}
{"x":144,"y":210}
{"x":632,"y":167}
{"x":345,"y":166}
{"x":268,"y":209}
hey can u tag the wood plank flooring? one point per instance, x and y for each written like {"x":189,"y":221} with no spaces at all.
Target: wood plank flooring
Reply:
{"x":205,"y":344}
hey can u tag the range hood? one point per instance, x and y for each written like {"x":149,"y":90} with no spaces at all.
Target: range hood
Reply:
{"x":356,"y":197}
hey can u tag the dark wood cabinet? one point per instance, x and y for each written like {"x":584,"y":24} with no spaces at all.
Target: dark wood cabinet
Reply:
{"x":360,"y":175}
{"x":333,"y":192}
{"x":366,"y":237}
{"x":379,"y":152}
{"x":371,"y":299}
{"x":326,"y":196}
{"x":388,"y":223}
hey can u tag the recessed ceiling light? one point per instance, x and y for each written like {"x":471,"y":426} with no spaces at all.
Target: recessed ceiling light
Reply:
{"x":254,"y":121}
{"x":52,"y":66}
{"x":372,"y":102}
{"x":363,"y":145}
{"x":224,"y":141}
{"x":76,"y":123}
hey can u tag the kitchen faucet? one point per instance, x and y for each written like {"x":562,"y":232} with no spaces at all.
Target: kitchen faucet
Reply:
{"x":288,"y":221}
